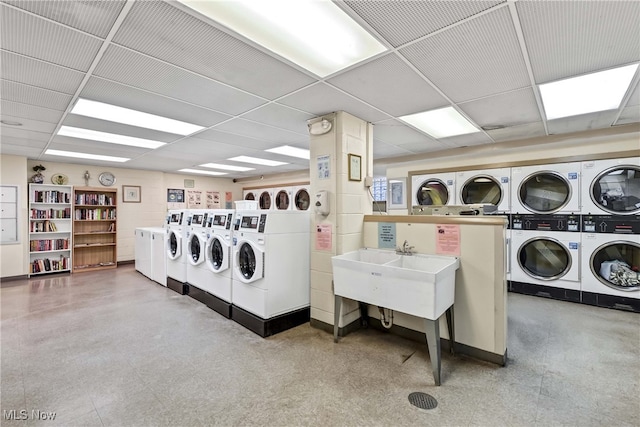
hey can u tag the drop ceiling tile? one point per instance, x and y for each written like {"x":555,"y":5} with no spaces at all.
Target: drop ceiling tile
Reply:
{"x":45,"y":75}
{"x":321,"y":99}
{"x":30,"y":124}
{"x":35,"y":37}
{"x":195,"y":45}
{"x":418,"y":148}
{"x":629,"y":115}
{"x":569,"y":38}
{"x":400,"y":22}
{"x":132,"y":69}
{"x":382,"y":150}
{"x":94,"y":17}
{"x":241,"y":141}
{"x":84,"y":122}
{"x":396,"y":133}
{"x":25,"y":111}
{"x":390,"y":85}
{"x":513,"y":133}
{"x":281,"y":116}
{"x":25,"y":139}
{"x":203,"y":151}
{"x":634,"y":99}
{"x":468,"y":140}
{"x":477,"y":58}
{"x":93,"y":147}
{"x":258,"y":131}
{"x":504,"y":110}
{"x":34,"y":96}
{"x":599,"y":120}
{"x":26,"y":134}
{"x":16,"y":148}
{"x":160,"y":164}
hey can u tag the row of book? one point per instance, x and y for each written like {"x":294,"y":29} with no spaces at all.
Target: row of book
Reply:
{"x":48,"y":264}
{"x":43,"y":227}
{"x":95,"y":214}
{"x":48,"y":245}
{"x":50,"y":213}
{"x":94,"y":199}
{"x":50,"y":196}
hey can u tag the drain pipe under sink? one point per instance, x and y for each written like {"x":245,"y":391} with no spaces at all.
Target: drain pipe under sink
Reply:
{"x":383,"y":318}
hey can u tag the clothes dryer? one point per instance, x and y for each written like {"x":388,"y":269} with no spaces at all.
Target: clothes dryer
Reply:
{"x":283,"y":198}
{"x":433,"y":189}
{"x":546,"y":189}
{"x":611,"y":187}
{"x":301,"y":198}
{"x":491,"y":186}
{"x":265,"y":199}
{"x":158,"y":256}
{"x":611,"y":261}
{"x":196,"y":242}
{"x":250,"y":195}
{"x":142,"y":250}
{"x":176,"y":229}
{"x":545,"y":259}
{"x":270,"y":288}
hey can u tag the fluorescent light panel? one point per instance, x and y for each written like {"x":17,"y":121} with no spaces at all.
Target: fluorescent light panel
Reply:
{"x":111,"y":138}
{"x":112,"y":113}
{"x":288,"y":150}
{"x":199,"y":172}
{"x":257,"y":161}
{"x":589,"y":93}
{"x":227,"y":167}
{"x":85,"y":156}
{"x":316,"y":35}
{"x":441,"y":123}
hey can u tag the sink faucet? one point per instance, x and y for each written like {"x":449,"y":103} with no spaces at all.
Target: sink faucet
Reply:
{"x":405,"y":249}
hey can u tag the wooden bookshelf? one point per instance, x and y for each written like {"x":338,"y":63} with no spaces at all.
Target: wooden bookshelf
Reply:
{"x":94,"y":229}
{"x":50,"y":238}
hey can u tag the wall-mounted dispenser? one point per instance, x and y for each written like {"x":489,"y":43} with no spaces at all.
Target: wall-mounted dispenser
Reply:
{"x":322,"y":203}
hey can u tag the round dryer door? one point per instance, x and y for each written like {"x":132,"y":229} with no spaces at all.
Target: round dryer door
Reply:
{"x":217,"y":255}
{"x":282,"y":200}
{"x":250,"y":196}
{"x":544,"y":192}
{"x":616,"y":265}
{"x":249,"y":263}
{"x":544,"y":258}
{"x":265,"y":200}
{"x":195,"y":249}
{"x":616,"y":190}
{"x":302,"y":200}
{"x":481,"y":189}
{"x":174,"y":245}
{"x":432,"y":192}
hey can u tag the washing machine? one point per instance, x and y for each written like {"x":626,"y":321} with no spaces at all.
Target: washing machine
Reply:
{"x":545,"y":258}
{"x":301,"y":198}
{"x":196,"y":242}
{"x":283,"y":198}
{"x":491,"y":186}
{"x":611,"y":187}
{"x":433,"y":189}
{"x":177,"y":225}
{"x":546,"y":189}
{"x":270,"y":286}
{"x":611,"y":261}
{"x":250,"y":195}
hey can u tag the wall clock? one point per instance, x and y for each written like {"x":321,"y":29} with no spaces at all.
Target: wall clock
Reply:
{"x":107,"y":179}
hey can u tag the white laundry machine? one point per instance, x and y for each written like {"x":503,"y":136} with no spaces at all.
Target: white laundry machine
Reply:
{"x":142,"y":250}
{"x":611,"y":261}
{"x":283,"y":198}
{"x":301,"y":198}
{"x":546,"y":189}
{"x":433,"y":189}
{"x":491,"y":186}
{"x":176,"y":237}
{"x":545,"y":258}
{"x":270,"y":288}
{"x":611,"y":186}
{"x":196,"y":242}
{"x":150,"y":255}
{"x":265,"y":199}
{"x":250,"y":194}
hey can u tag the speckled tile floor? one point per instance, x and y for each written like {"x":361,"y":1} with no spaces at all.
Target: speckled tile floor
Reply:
{"x":115,"y":349}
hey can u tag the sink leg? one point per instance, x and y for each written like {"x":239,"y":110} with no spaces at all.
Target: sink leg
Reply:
{"x":452,"y":329}
{"x":337,"y":307}
{"x":433,"y":342}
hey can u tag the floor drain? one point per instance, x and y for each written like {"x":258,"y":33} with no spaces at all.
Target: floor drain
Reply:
{"x":422,"y":400}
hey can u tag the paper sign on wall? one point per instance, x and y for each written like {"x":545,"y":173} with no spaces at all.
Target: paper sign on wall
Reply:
{"x":387,"y":235}
{"x":324,"y":168}
{"x":194,"y":199}
{"x":228,"y":200}
{"x":323,"y":237}
{"x":213,"y":200}
{"x":448,"y":239}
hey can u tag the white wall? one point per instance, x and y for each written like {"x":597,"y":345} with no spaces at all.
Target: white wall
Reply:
{"x":14,"y":257}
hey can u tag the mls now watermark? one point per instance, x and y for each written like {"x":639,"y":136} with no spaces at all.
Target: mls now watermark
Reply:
{"x":23,"y":414}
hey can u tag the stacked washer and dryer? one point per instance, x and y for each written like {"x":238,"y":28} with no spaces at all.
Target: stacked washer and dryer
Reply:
{"x":270,"y":287}
{"x":611,"y":233}
{"x":176,"y":227}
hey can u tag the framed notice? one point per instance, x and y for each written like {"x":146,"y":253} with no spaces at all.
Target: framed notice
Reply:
{"x":131,"y":194}
{"x":355,"y":167}
{"x":397,"y":198}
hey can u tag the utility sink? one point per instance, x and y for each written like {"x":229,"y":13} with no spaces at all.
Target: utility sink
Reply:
{"x":418,"y":284}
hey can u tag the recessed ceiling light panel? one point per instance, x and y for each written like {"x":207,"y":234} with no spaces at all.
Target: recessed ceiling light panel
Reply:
{"x":589,"y":93}
{"x":86,"y":156}
{"x":200,"y":172}
{"x":111,"y":138}
{"x":227,"y":167}
{"x":316,"y":35}
{"x":257,"y":161}
{"x":441,"y":123}
{"x":113,"y":113}
{"x":287,"y":150}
